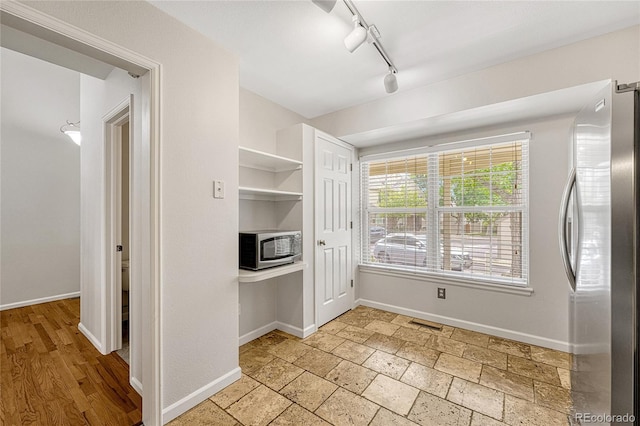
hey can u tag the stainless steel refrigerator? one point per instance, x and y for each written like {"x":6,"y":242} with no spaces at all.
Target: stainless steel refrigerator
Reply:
{"x":599,"y":243}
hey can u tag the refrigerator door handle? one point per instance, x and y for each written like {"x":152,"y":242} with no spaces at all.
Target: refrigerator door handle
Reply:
{"x":562,"y":225}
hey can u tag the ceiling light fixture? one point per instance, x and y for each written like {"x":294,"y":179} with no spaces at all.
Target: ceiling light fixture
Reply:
{"x":326,"y":5}
{"x":355,"y":37}
{"x":73,"y":131}
{"x":390,"y":81}
{"x":361,"y":32}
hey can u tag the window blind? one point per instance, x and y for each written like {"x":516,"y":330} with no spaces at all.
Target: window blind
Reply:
{"x":459,"y":210}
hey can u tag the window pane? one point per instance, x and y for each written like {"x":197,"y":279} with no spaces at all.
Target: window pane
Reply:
{"x":486,"y":176}
{"x":480,"y":243}
{"x":398,"y":183}
{"x":397,"y":238}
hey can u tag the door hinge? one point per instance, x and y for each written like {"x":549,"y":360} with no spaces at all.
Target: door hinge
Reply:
{"x":351,"y":167}
{"x":118,"y":248}
{"x":351,"y":225}
{"x":351,"y":283}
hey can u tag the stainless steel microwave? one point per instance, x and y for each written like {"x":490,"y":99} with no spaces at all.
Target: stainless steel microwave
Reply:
{"x":269,"y":248}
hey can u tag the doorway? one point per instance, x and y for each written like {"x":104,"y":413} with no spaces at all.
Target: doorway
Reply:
{"x":38,"y":25}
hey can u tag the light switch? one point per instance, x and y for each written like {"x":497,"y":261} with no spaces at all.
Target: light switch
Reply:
{"x":218,"y":189}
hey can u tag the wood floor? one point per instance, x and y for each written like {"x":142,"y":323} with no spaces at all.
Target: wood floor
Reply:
{"x":52,"y":375}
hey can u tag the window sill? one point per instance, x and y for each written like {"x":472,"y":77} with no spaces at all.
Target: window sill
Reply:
{"x":488,"y":285}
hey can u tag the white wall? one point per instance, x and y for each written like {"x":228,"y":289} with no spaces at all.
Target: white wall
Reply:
{"x":40,"y":182}
{"x":199,"y":143}
{"x":540,"y":318}
{"x":99,"y":97}
{"x":260,"y":119}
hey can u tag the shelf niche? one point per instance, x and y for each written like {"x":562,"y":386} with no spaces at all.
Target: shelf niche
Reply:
{"x":276,"y":192}
{"x":269,"y":177}
{"x":246,"y":276}
{"x":260,"y":160}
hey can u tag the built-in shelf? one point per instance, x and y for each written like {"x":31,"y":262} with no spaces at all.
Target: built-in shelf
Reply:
{"x":264,"y":161}
{"x":245,"y":276}
{"x":247,"y":193}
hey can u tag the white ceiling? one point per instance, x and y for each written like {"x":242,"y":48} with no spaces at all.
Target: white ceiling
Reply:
{"x":292,"y":52}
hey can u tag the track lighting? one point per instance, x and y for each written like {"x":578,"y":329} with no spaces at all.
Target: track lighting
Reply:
{"x":73,"y":131}
{"x":355,"y":37}
{"x":360,"y":33}
{"x":390,"y":82}
{"x":326,"y":5}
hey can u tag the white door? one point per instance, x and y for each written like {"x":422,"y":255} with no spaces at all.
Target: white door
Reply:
{"x":113,"y":123}
{"x":334,"y":291}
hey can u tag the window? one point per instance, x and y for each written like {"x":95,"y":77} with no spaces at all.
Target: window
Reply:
{"x":457,"y":210}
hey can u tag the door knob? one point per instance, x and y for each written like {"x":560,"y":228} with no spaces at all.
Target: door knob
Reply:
{"x":322,"y":243}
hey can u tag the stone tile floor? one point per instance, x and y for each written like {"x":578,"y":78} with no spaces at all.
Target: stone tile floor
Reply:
{"x":371,"y":367}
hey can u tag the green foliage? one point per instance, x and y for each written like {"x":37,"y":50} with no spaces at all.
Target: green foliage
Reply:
{"x":403,"y":197}
{"x":491,"y":186}
{"x":494,"y":186}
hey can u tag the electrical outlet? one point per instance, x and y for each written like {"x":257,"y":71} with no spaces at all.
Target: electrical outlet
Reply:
{"x":442,"y":293}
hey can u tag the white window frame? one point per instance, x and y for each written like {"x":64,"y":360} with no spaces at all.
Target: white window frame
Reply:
{"x":433,"y":211}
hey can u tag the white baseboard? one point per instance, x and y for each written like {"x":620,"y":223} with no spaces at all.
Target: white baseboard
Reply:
{"x":195,"y":398}
{"x":252,"y":335}
{"x":93,"y":339}
{"x":481,"y":328}
{"x":287,"y":328}
{"x":309,"y":331}
{"x":587,"y":349}
{"x":296,"y":331}
{"x":40,"y":300}
{"x":135,"y":384}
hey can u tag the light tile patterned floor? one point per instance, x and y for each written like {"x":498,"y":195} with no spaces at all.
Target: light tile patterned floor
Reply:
{"x":371,"y":367}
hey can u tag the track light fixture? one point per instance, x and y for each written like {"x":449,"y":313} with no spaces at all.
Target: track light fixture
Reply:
{"x":355,"y":37}
{"x":390,"y":81}
{"x":361,"y":32}
{"x":73,"y":131}
{"x":326,"y":5}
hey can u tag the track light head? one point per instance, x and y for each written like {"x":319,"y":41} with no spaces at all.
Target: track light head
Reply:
{"x":390,"y":82}
{"x":326,"y":5}
{"x":355,"y":37}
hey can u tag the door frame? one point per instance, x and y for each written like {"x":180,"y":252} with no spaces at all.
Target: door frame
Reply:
{"x":112,"y":124}
{"x":35,"y":22}
{"x":316,"y":188}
